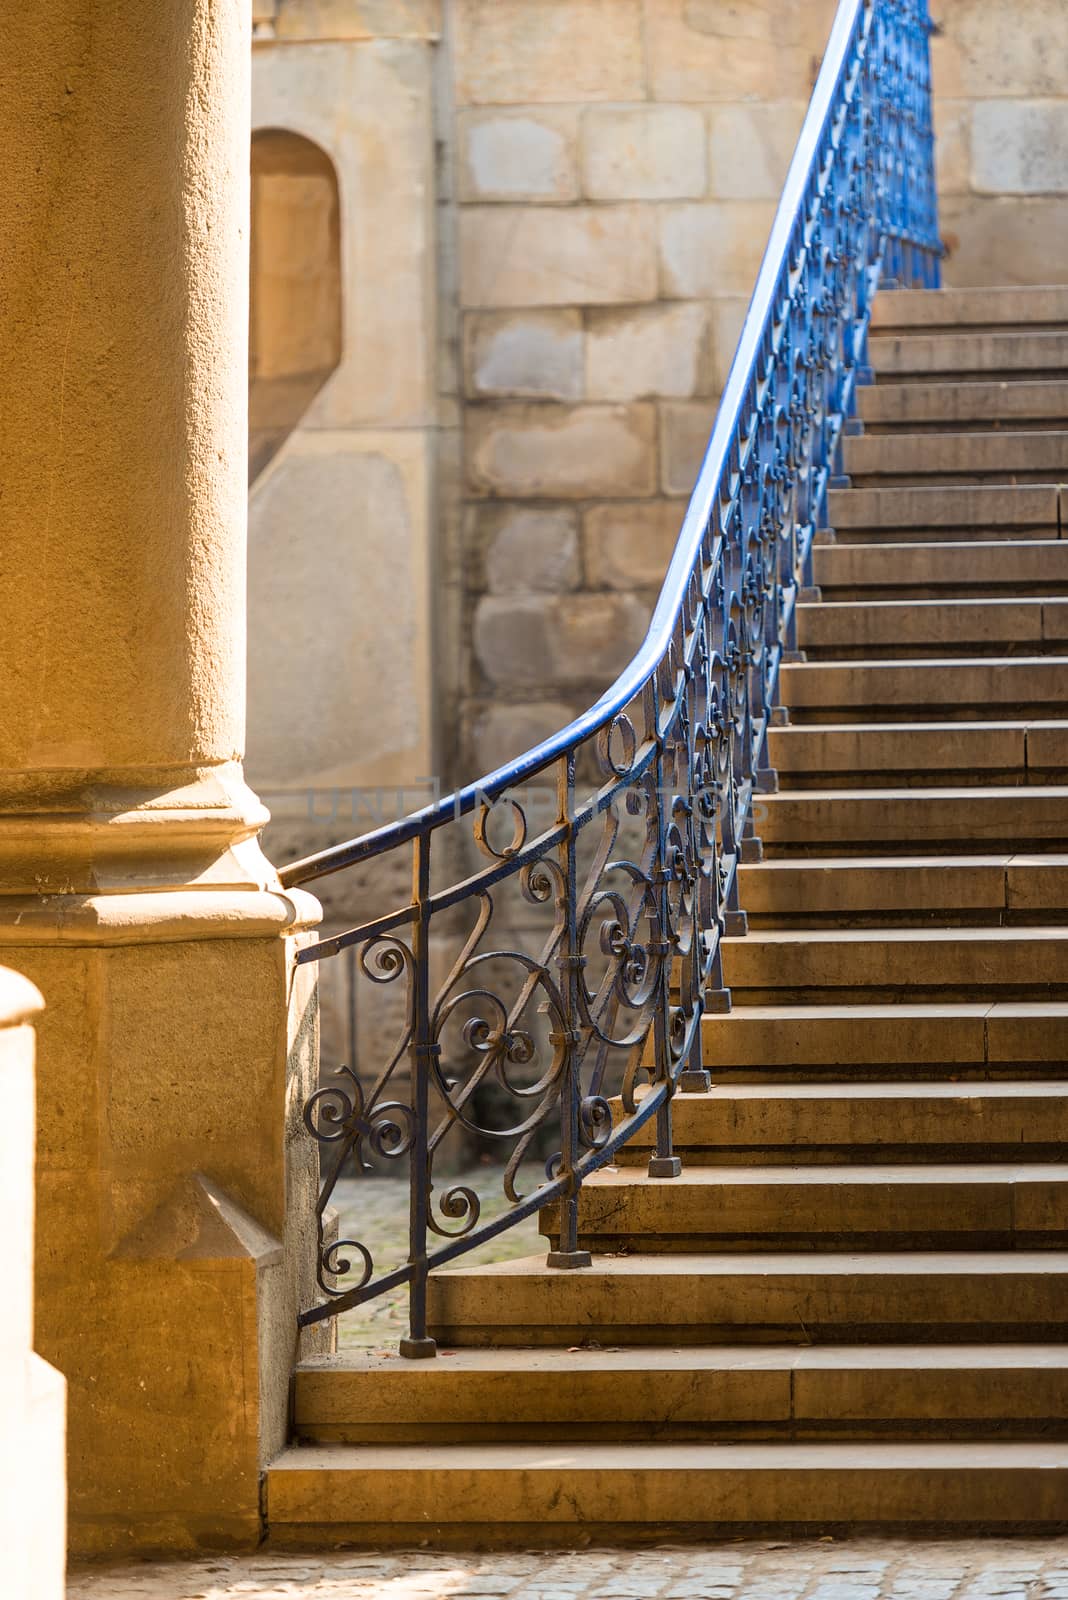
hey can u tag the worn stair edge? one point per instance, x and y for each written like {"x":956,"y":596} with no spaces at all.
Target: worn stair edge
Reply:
{"x":773,"y":1297}
{"x":494,"y":1493}
{"x":787,"y":1390}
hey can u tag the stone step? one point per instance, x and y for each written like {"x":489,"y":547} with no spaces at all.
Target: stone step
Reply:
{"x":851,"y":1122}
{"x":857,"y":889}
{"x":1016,"y":354}
{"x":714,"y":1392}
{"x":978,"y":1041}
{"x":799,"y":1297}
{"x":975,"y":687}
{"x":953,"y":962}
{"x":928,"y":819}
{"x":534,"y":1493}
{"x":924,"y":1206}
{"x":946,"y":310}
{"x":956,"y":458}
{"x":923,"y":570}
{"x":970,"y":512}
{"x":893,"y":407}
{"x":894,"y":627}
{"x":1025,"y":752}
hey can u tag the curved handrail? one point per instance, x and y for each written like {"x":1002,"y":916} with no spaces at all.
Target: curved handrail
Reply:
{"x":669,"y":602}
{"x":678,"y":742}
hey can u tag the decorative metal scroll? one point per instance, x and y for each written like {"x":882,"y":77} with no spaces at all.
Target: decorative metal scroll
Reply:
{"x":616,"y":843}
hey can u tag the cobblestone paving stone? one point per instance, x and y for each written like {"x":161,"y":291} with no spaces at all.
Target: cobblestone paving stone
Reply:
{"x":864,"y":1569}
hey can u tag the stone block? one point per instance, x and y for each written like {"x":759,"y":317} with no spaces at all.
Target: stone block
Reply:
{"x":628,"y":544}
{"x":586,"y":255}
{"x":1004,"y":240}
{"x":570,"y":641}
{"x":1020,"y":147}
{"x":750,"y":147}
{"x":562,"y":452}
{"x":530,"y":548}
{"x":503,"y":732}
{"x":518,"y":155}
{"x":704,"y":50}
{"x":993,"y":48}
{"x":339,"y":544}
{"x":953,"y":145}
{"x":649,"y":351}
{"x":684,"y":431}
{"x":712,"y":249}
{"x":511,"y":52}
{"x":351,"y":19}
{"x":525,"y":354}
{"x":644,"y":153}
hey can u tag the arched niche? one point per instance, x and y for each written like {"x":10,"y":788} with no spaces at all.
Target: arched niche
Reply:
{"x":294,"y":285}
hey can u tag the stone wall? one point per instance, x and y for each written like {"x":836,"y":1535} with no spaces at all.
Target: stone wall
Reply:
{"x":616,"y":166}
{"x":1002,"y":122}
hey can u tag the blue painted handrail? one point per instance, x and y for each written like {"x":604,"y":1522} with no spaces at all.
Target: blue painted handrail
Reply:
{"x":634,"y":871}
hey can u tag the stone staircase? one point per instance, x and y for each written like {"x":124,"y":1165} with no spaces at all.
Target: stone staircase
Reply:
{"x":850,"y":1309}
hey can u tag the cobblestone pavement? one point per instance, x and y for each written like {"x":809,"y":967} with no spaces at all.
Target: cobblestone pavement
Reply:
{"x":971,"y":1569}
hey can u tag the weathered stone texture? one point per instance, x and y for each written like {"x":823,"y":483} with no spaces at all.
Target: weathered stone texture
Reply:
{"x":660,"y":350}
{"x":530,"y":548}
{"x":628,"y":544}
{"x":503,"y":732}
{"x":684,"y":431}
{"x":703,"y":50}
{"x":513,"y":52}
{"x":992,"y":48}
{"x":584,"y":255}
{"x":349,"y":19}
{"x":953,"y":128}
{"x":998,"y":240}
{"x":535,"y":354}
{"x":519,"y":155}
{"x":750,"y":146}
{"x":525,"y":642}
{"x":1020,"y":147}
{"x":562,"y":451}
{"x":644,"y":153}
{"x":712,"y":249}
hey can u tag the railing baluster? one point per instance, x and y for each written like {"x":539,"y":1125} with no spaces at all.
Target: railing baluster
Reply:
{"x":567,"y":1254}
{"x":418,"y":1344}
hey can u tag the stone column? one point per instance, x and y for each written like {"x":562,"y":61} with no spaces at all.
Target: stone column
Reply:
{"x":178,"y":1042}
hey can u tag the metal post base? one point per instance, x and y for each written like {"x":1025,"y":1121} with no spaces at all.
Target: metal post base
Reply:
{"x":695,"y":1080}
{"x":568,"y":1260}
{"x":735,"y":924}
{"x":664,"y":1166}
{"x":418,"y":1349}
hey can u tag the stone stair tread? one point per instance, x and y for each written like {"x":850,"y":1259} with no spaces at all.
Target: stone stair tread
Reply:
{"x":924,"y":563}
{"x":906,"y":1089}
{"x":700,"y":1358}
{"x":771,"y":1263}
{"x":1028,"y":934}
{"x":989,"y":1173}
{"x":909,"y":404}
{"x":951,"y":1010}
{"x":977,"y":307}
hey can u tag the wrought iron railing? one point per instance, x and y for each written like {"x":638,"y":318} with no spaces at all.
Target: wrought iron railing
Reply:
{"x":623,"y":833}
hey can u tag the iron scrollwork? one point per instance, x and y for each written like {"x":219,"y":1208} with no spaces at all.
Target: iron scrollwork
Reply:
{"x":583,"y":1033}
